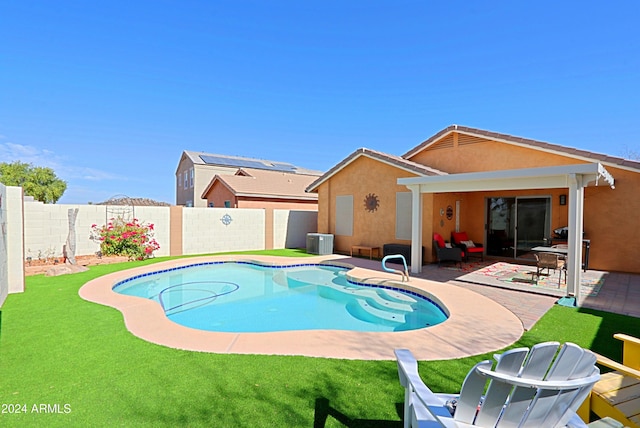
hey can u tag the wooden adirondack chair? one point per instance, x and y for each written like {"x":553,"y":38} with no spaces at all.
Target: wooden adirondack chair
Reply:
{"x":527,"y":388}
{"x":617,"y":393}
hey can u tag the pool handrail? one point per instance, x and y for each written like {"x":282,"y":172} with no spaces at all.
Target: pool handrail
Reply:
{"x":404,"y":274}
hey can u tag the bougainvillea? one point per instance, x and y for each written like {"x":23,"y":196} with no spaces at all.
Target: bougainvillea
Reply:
{"x":125,"y":238}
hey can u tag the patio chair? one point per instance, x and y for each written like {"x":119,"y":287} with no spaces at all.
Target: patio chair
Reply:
{"x":470,"y":248}
{"x":527,"y":388}
{"x":617,"y":394}
{"x":444,"y":253}
{"x":550,"y":261}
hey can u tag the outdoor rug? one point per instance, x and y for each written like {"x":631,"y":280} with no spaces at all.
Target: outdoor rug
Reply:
{"x":520,"y":277}
{"x":466,"y":266}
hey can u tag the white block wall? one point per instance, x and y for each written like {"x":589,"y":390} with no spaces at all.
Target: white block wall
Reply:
{"x":160,"y":218}
{"x":11,"y":248}
{"x":47,"y":227}
{"x":29,"y":229}
{"x":290,"y":228}
{"x":203,"y":230}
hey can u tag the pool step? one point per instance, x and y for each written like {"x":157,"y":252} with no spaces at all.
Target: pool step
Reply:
{"x":370,"y":295}
{"x":396,"y":296}
{"x":379,"y":302}
{"x":365,"y":312}
{"x":305,"y":278}
{"x":336,"y":287}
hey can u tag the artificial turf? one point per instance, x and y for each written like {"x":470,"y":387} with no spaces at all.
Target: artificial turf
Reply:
{"x":68,"y":362}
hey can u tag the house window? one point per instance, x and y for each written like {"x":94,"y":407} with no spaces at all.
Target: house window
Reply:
{"x":403,"y":215}
{"x":344,"y":215}
{"x":210,"y":205}
{"x":227,"y":204}
{"x":191,"y":177}
{"x":185,"y":179}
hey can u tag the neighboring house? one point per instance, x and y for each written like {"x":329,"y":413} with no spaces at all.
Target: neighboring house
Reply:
{"x":196,"y":170}
{"x":506,"y":192}
{"x":256,"y":188}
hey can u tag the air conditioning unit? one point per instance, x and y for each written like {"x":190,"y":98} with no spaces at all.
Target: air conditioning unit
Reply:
{"x":319,"y":243}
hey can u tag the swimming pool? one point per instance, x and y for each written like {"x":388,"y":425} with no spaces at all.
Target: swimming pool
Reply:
{"x":249,"y":297}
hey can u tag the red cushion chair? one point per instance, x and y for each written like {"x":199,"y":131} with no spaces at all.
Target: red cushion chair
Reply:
{"x":461,"y":240}
{"x":453,"y":254}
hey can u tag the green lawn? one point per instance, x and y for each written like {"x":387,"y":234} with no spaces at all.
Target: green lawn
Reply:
{"x":77,"y":357}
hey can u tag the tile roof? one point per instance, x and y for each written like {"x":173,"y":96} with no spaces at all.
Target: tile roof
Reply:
{"x":527,"y":142}
{"x":393,"y":160}
{"x":264,"y":183}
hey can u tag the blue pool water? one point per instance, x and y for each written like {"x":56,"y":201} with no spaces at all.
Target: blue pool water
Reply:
{"x":247,"y":297}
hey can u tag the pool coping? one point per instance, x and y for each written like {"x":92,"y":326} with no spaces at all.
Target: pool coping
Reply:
{"x":476,"y":324}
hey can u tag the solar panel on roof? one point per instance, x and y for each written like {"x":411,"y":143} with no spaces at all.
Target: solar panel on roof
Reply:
{"x":248,"y":163}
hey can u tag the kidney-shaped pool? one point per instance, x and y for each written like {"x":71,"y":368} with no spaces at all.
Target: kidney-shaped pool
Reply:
{"x":245,"y":297}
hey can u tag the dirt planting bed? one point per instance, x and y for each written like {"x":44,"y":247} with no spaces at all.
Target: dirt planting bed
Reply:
{"x":36,"y":267}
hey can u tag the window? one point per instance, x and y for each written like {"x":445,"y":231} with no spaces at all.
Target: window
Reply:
{"x":227,"y":204}
{"x":185,"y":179}
{"x":210,"y":205}
{"x":344,"y":215}
{"x":403,"y":215}
{"x":191,"y":177}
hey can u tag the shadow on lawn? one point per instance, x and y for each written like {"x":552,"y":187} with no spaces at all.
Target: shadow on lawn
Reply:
{"x":323,"y":410}
{"x":610,"y":324}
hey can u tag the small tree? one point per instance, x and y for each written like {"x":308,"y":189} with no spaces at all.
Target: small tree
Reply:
{"x":39,"y":182}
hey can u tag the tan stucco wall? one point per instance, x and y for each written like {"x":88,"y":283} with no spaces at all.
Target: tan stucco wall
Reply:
{"x":182,"y":194}
{"x":202,"y":176}
{"x":609,"y":214}
{"x":486,"y":155}
{"x":175,"y":231}
{"x":278,"y":204}
{"x":219,"y":193}
{"x":610,"y":217}
{"x":362,"y":177}
{"x":611,"y":222}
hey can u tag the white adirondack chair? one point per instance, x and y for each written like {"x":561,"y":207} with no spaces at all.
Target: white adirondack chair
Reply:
{"x":525,"y":389}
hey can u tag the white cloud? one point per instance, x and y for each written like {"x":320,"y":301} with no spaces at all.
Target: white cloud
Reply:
{"x":11,"y":152}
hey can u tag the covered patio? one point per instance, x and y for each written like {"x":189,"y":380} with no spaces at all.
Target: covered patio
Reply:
{"x":572,"y":177}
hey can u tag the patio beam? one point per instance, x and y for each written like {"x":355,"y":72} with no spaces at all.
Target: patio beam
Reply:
{"x":574,"y":177}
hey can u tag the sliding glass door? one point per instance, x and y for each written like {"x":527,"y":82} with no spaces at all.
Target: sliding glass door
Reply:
{"x":515,"y":225}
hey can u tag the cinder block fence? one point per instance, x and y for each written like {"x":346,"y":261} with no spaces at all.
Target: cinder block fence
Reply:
{"x":33,"y":229}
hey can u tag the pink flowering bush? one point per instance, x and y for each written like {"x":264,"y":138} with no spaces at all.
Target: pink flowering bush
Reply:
{"x":121,"y":238}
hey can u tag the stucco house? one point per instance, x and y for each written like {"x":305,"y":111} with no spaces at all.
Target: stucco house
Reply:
{"x":196,"y":170}
{"x":508,"y":193}
{"x":257,"y":188}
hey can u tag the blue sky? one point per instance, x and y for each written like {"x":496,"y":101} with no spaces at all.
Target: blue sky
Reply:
{"x":109,"y":94}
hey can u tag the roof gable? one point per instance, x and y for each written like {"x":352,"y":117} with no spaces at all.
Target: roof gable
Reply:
{"x":441,"y":139}
{"x":264,"y":183}
{"x":392,"y":160}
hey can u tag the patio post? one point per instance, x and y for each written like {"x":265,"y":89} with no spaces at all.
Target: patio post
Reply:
{"x":416,"y":228}
{"x":576,"y":217}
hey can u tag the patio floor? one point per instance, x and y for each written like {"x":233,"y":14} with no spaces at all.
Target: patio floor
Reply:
{"x":510,"y":311}
{"x":457,"y":337}
{"x":619,"y":294}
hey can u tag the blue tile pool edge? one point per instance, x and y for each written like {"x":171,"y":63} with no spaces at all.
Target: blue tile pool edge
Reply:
{"x":265,"y":265}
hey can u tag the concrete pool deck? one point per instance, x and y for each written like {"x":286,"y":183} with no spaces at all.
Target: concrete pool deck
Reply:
{"x":476,"y":324}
